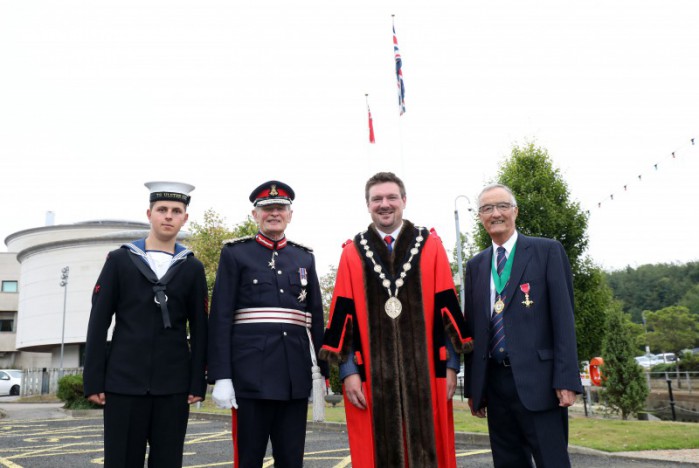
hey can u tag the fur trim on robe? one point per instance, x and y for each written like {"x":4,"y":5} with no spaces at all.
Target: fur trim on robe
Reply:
{"x":402,"y":361}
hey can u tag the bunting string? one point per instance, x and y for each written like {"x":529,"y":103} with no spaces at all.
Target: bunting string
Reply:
{"x":679,"y":151}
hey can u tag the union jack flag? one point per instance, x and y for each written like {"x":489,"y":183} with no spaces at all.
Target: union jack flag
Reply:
{"x":399,"y":73}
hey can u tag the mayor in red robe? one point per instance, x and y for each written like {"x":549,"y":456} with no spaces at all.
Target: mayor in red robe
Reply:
{"x":401,"y":358}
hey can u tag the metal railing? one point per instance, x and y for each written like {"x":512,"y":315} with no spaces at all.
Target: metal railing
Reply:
{"x":44,"y":381}
{"x":686,"y":381}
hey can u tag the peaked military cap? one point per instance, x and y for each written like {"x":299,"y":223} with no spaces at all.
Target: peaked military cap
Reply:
{"x":272,"y":192}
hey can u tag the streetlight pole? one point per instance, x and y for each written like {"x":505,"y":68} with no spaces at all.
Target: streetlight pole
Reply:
{"x":459,"y":256}
{"x":64,"y":285}
{"x":645,"y":330}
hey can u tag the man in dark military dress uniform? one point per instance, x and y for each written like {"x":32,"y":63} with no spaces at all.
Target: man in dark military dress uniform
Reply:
{"x":147,"y":378}
{"x":265,"y":324}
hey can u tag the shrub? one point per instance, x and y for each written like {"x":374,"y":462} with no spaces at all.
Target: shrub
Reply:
{"x":335,"y":383}
{"x":70,"y":391}
{"x":658,"y":370}
{"x":625,"y":387}
{"x":689,"y":362}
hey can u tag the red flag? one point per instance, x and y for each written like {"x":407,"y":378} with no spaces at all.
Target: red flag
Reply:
{"x":371,"y":125}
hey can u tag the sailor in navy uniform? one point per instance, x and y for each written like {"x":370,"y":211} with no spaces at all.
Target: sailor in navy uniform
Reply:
{"x":155,"y":289}
{"x":265,"y":324}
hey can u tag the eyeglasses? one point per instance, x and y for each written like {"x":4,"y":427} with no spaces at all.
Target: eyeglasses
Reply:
{"x":488,"y":209}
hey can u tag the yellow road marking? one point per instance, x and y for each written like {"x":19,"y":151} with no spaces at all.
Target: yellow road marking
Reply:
{"x":227,"y":463}
{"x":327,"y":451}
{"x":345,"y":462}
{"x":225,"y":435}
{"x":472,"y":452}
{"x":47,"y":432}
{"x":8,"y":464}
{"x":54,"y":450}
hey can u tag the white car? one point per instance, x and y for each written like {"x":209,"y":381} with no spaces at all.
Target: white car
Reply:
{"x":10,"y":380}
{"x":666,"y":357}
{"x":647,"y":361}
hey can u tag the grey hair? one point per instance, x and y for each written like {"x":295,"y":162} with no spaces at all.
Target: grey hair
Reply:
{"x":490,"y":187}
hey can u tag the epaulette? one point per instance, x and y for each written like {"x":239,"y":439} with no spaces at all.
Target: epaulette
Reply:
{"x":238,"y":240}
{"x":346,"y":243}
{"x":433,"y":232}
{"x":296,"y":244}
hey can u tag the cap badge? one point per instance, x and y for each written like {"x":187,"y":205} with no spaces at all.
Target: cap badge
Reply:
{"x":273,"y":190}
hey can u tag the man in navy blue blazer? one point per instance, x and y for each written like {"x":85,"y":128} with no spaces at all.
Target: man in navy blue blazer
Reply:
{"x":524,"y":366}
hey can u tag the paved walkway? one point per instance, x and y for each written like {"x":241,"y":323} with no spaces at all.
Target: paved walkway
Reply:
{"x":29,"y":411}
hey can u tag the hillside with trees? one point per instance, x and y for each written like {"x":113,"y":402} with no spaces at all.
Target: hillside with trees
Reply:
{"x":655,"y":287}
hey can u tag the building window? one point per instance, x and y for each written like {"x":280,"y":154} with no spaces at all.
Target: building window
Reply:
{"x":7,"y":325}
{"x":9,"y":286}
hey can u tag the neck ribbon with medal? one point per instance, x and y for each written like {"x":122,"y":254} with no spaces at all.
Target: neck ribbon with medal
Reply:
{"x":393,"y":306}
{"x":501,"y":280}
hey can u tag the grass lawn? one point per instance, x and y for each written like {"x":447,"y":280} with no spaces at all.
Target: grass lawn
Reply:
{"x":609,"y":435}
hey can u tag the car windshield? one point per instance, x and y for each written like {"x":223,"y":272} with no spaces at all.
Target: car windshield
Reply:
{"x":15,"y":373}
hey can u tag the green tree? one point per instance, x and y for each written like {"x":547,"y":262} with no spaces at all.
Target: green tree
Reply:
{"x":653,"y":287}
{"x":327,"y":286}
{"x":468,"y":250}
{"x":593,"y":299}
{"x":547,"y":210}
{"x":691,"y":300}
{"x":624,"y":383}
{"x":207,"y":237}
{"x":640,"y":337}
{"x":672,"y":329}
{"x":545,"y":206}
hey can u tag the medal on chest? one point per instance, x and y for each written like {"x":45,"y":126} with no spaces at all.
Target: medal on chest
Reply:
{"x":500,"y":281}
{"x":303,"y":277}
{"x":393,"y":307}
{"x":272,"y":263}
{"x":499,"y":305}
{"x":525,"y":289}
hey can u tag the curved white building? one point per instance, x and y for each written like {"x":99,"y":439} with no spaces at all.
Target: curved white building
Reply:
{"x":43,"y":253}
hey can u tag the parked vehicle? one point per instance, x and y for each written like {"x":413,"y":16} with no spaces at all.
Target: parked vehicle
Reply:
{"x":648,"y":360}
{"x":666,"y":357}
{"x":10,"y":380}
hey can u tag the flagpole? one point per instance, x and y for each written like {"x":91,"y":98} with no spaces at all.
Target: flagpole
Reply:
{"x":368,"y":145}
{"x":401,"y":92}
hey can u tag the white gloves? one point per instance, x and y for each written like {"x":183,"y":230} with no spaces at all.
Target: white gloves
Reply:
{"x":224,"y":395}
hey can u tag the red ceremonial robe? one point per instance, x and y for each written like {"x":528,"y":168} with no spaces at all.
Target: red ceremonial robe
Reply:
{"x":402,"y":361}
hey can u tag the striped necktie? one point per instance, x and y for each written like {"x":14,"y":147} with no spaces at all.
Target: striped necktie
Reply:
{"x":498,"y":346}
{"x":389,"y":243}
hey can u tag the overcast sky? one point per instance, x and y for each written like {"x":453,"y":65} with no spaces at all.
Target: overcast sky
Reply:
{"x":98,"y":97}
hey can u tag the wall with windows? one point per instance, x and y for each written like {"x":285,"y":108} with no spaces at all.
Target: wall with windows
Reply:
{"x":9,"y":278}
{"x":50,"y":314}
{"x":10,"y":358}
